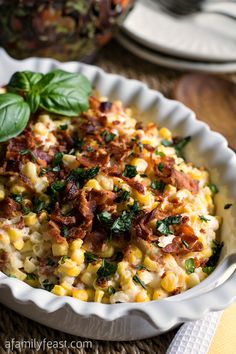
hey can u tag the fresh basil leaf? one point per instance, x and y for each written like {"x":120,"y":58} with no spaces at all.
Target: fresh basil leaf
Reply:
{"x":14,"y":116}
{"x":33,"y":101}
{"x":158,"y":185}
{"x":189,"y":265}
{"x":105,"y":218}
{"x":180,"y":144}
{"x":122,"y":223}
{"x":111,"y":290}
{"x":203,"y":218}
{"x":214,"y":189}
{"x":64,"y":93}
{"x":216,"y":251}
{"x":23,"y":81}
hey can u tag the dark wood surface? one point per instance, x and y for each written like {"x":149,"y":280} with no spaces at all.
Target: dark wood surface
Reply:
{"x":213,"y":99}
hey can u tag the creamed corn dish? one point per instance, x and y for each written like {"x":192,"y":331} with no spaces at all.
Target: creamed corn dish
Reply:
{"x":102,"y":208}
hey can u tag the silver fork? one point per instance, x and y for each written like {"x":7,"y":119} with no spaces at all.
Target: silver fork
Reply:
{"x":187,"y":7}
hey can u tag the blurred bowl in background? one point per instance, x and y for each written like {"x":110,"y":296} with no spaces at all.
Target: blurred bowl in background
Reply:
{"x":60,"y":29}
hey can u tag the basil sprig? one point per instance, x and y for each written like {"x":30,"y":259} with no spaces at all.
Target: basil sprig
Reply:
{"x":57,"y":92}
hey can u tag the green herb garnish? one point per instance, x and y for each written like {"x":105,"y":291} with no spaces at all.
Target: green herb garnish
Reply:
{"x":28,"y":152}
{"x":105,"y":218}
{"x":130,"y":171}
{"x":58,"y":92}
{"x":90,"y":257}
{"x":64,"y":126}
{"x":160,"y":167}
{"x":122,"y":223}
{"x":122,"y":196}
{"x":163,"y":226}
{"x":31,"y":276}
{"x":180,"y":144}
{"x":158,"y":185}
{"x":64,"y":231}
{"x":189,"y":265}
{"x":214,"y":189}
{"x":203,"y":218}
{"x":19,"y":199}
{"x":108,"y":137}
{"x":213,"y":260}
{"x":111,"y":290}
{"x":63,"y":259}
{"x":166,"y":142}
{"x":136,"y":279}
{"x":107,"y":269}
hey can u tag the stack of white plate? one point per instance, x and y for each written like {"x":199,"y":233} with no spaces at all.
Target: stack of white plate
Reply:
{"x":202,"y":41}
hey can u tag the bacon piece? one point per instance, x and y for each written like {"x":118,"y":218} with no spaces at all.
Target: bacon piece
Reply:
{"x":79,"y":232}
{"x":94,"y":240}
{"x":57,"y":217}
{"x":171,"y":176}
{"x":182,"y":181}
{"x":71,"y":191}
{"x":54,"y":232}
{"x":100,"y":160}
{"x":102,"y":197}
{"x":85,"y":207}
{"x":134,"y":184}
{"x":9,"y":208}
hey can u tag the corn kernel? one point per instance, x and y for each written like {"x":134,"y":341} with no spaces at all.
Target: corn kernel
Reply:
{"x":28,"y":246}
{"x":206,"y":253}
{"x":140,"y":164}
{"x":2,"y":194}
{"x":70,"y":161}
{"x":19,"y":244}
{"x":98,"y":295}
{"x":30,"y":171}
{"x":80,"y":294}
{"x":67,"y":287}
{"x":192,"y":280}
{"x":159,"y":294}
{"x":59,"y":290}
{"x":87,"y":278}
{"x":165,"y":133}
{"x":145,"y":199}
{"x":30,"y":219}
{"x":134,"y":255}
{"x":77,"y":256}
{"x":169,"y":281}
{"x":14,"y":234}
{"x":19,"y":274}
{"x":105,"y":182}
{"x":29,"y":266}
{"x":73,"y":272}
{"x":17,"y":189}
{"x":39,"y":128}
{"x":107,"y":250}
{"x":151,"y":265}
{"x":45,"y":119}
{"x":60,"y":249}
{"x":4,"y":239}
{"x":92,"y":184}
{"x":142,"y":297}
{"x":76,"y":244}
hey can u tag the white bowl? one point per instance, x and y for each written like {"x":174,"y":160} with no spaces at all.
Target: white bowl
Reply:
{"x":129,"y":321}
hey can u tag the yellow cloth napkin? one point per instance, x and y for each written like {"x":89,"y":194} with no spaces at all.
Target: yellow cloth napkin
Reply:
{"x":224,"y":341}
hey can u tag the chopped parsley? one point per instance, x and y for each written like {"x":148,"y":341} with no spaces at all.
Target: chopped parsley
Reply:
{"x":30,"y":153}
{"x":136,"y":279}
{"x":48,"y":169}
{"x":31,"y":276}
{"x":51,"y":262}
{"x":134,"y":208}
{"x":122,"y":196}
{"x":111,"y":290}
{"x":227,"y":206}
{"x":212,"y":261}
{"x":158,"y":185}
{"x":19,"y":199}
{"x":160,"y":167}
{"x":122,"y":223}
{"x":180,"y":144}
{"x":58,"y":185}
{"x":203,"y":218}
{"x":163,"y":226}
{"x":141,"y":147}
{"x":64,"y":231}
{"x":90,"y":257}
{"x":189,"y":265}
{"x":82,"y":174}
{"x":166,"y":142}
{"x":140,"y":267}
{"x":63,"y":259}
{"x":64,"y":126}
{"x":57,"y":161}
{"x":214,"y":189}
{"x":107,"y":269}
{"x":47,"y":286}
{"x":105,"y":218}
{"x":108,"y":137}
{"x":39,"y":205}
{"x":130,"y":171}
